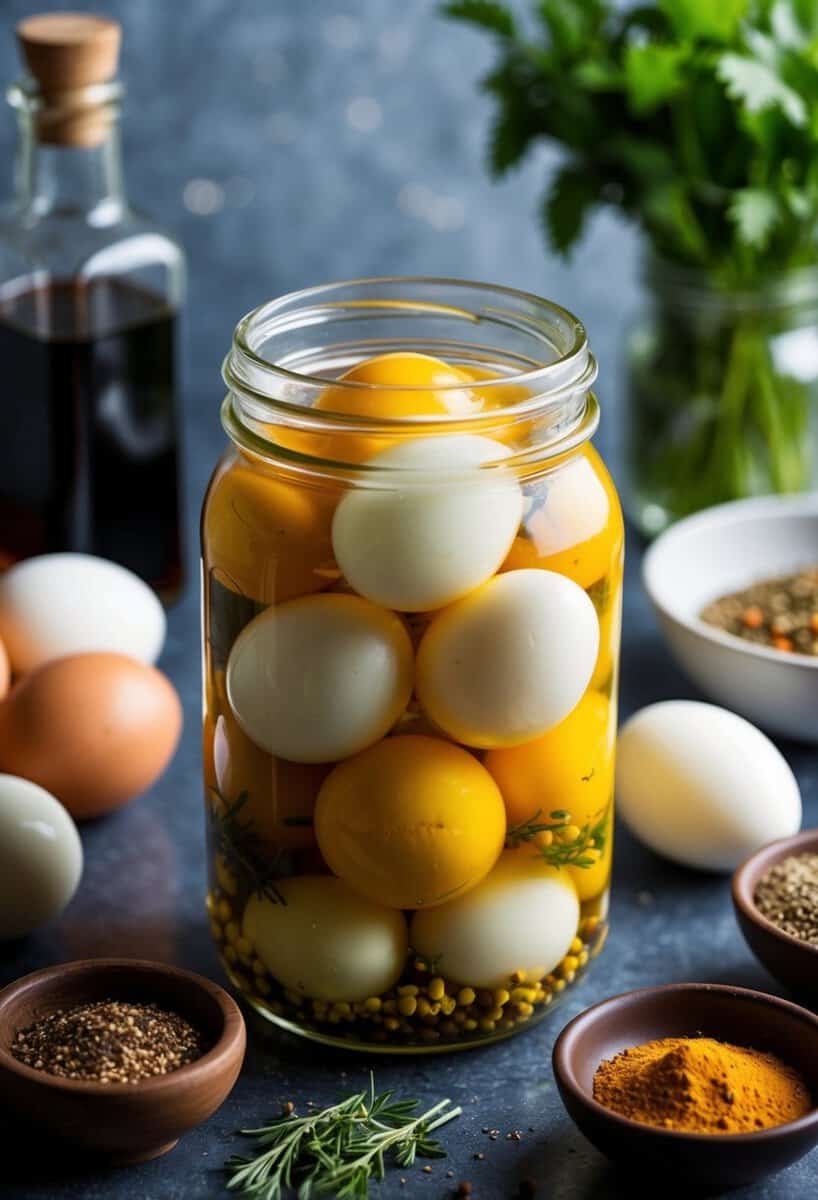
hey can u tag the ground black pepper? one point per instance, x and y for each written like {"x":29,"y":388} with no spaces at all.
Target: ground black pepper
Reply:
{"x":787,"y":895}
{"x":109,"y":1041}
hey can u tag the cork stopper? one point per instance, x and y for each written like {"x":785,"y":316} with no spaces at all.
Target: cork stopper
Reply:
{"x":68,"y":53}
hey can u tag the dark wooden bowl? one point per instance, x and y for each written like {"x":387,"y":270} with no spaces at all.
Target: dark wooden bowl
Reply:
{"x":791,"y":961}
{"x":706,"y":1162}
{"x":124,"y":1122}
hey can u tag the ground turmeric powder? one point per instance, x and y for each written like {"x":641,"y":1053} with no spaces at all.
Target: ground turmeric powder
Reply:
{"x":701,"y":1086}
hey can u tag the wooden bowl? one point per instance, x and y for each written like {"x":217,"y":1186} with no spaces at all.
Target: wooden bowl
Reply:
{"x":126,"y":1122}
{"x":793,"y":962}
{"x":706,"y":1162}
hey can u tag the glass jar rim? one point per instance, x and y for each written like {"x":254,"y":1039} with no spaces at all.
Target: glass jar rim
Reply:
{"x":545,"y":345}
{"x":26,"y":97}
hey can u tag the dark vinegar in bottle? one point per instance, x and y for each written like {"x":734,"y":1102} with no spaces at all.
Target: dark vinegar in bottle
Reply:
{"x":88,"y":437}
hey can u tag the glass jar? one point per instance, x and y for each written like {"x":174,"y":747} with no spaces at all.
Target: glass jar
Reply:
{"x":722,"y":393}
{"x":412,"y":569}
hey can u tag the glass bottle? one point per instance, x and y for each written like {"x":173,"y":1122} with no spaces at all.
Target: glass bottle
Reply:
{"x":722,"y":393}
{"x":90,"y":292}
{"x":409,"y":549}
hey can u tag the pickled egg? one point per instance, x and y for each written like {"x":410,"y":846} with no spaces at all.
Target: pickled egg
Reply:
{"x":40,"y":856}
{"x":326,"y":941}
{"x":279,"y":796}
{"x":94,"y":729}
{"x":268,"y":537}
{"x":320,"y":678}
{"x":59,"y":604}
{"x":432,"y":532}
{"x":702,"y":786}
{"x":568,"y":769}
{"x":573,"y":524}
{"x":522,"y":917}
{"x":510,"y":660}
{"x":410,"y":822}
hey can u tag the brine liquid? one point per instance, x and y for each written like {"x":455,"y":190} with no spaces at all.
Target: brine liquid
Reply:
{"x":88,"y":435}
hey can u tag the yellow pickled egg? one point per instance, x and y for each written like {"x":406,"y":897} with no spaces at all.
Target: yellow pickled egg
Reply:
{"x":279,"y":796}
{"x":325,"y":941}
{"x":522,"y":917}
{"x":568,"y":769}
{"x":434,"y":529}
{"x":610,"y":625}
{"x":510,"y":661}
{"x":320,"y":678}
{"x":268,"y":538}
{"x":410,"y":822}
{"x":574,"y":523}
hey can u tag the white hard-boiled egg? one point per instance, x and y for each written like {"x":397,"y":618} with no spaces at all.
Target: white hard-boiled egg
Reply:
{"x":326,"y":941}
{"x":59,"y":604}
{"x":321,"y":677}
{"x":510,"y":661}
{"x":702,"y":786}
{"x":522,"y":917}
{"x":40,"y":856}
{"x":437,"y":528}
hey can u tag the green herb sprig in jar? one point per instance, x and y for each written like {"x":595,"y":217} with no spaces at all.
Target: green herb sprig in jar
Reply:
{"x":699,"y":122}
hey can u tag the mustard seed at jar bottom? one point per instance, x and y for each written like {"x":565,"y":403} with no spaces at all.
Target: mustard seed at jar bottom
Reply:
{"x":412,"y":565}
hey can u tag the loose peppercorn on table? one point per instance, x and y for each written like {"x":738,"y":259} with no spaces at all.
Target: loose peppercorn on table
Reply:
{"x":412,"y":564}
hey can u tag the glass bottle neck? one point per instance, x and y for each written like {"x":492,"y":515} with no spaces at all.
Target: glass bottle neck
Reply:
{"x":67,"y":180}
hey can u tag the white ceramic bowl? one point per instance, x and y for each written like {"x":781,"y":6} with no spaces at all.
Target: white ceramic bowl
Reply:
{"x":722,"y":550}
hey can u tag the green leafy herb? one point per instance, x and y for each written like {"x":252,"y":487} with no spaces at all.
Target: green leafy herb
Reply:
{"x":237,"y":842}
{"x":698,"y":121}
{"x":339,"y":1150}
{"x":555,"y":849}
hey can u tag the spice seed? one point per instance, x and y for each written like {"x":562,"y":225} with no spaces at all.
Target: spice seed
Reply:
{"x":787,"y":895}
{"x":109,"y":1041}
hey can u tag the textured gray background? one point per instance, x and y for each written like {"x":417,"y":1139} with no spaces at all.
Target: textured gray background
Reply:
{"x":288,"y":143}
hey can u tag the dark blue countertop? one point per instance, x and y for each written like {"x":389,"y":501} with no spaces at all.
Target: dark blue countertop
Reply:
{"x":288,"y":145}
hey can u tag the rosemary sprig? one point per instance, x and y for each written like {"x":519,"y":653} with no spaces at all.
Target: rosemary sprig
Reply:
{"x":340,"y":1149}
{"x":238,"y":844}
{"x":556,"y":850}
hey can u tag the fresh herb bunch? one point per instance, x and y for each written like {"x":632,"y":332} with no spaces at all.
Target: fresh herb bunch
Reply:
{"x":339,"y":1150}
{"x":238,"y":843}
{"x":698,"y":120}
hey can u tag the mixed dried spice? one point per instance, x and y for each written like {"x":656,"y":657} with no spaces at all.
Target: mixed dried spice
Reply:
{"x":787,"y":895}
{"x":109,"y":1041}
{"x":781,"y":613}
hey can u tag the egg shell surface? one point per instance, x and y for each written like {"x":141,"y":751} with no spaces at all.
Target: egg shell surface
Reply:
{"x":702,"y":786}
{"x":59,"y":604}
{"x":434,"y":529}
{"x":320,"y":678}
{"x":5,"y":671}
{"x":40,"y":856}
{"x":410,"y":822}
{"x":94,"y":729}
{"x":510,"y":661}
{"x":327,"y":942}
{"x":522,"y":917}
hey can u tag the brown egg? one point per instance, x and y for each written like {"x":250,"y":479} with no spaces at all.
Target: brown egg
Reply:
{"x":93,"y":729}
{"x":5,"y":671}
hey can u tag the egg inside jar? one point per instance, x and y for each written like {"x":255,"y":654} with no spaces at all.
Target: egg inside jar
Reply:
{"x":412,"y":581}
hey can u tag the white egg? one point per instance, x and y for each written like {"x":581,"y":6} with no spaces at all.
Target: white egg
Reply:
{"x":702,"y":786}
{"x":326,"y":941}
{"x":522,"y":917}
{"x":321,"y":677}
{"x":40,"y":856}
{"x":510,"y":661}
{"x":439,"y":527}
{"x":58,"y":604}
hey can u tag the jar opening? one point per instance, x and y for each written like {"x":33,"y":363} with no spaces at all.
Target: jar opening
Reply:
{"x":528,"y":361}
